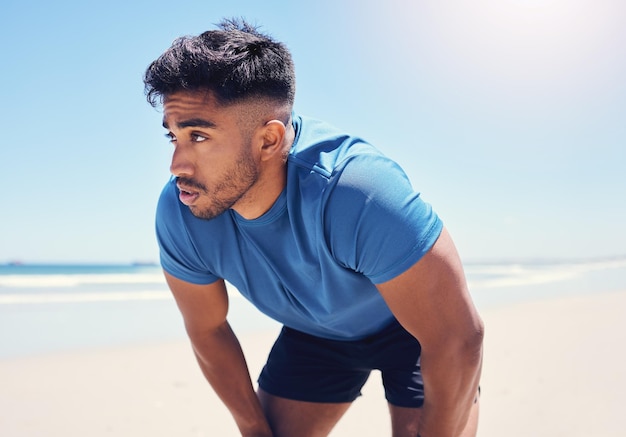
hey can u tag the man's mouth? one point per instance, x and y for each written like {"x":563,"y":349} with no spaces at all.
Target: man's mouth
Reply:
{"x":189,"y":190}
{"x":187,"y":196}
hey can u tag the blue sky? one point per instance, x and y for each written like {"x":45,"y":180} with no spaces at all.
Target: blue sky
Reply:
{"x":509,"y":116}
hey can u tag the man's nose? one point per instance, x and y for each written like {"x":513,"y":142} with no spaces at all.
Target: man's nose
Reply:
{"x":182,"y":164}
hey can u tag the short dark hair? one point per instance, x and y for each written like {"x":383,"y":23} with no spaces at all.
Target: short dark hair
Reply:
{"x":234,"y":63}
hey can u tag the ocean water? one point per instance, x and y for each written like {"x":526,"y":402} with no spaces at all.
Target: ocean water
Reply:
{"x":55,"y":308}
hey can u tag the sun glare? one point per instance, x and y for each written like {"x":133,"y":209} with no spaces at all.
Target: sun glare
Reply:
{"x":539,"y":45}
{"x":532,"y":39}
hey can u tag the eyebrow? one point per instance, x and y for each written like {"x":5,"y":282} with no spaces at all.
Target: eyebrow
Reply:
{"x":192,"y":122}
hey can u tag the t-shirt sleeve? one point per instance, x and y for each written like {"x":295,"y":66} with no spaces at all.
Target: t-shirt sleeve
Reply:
{"x":178,"y":254}
{"x":375,"y":223}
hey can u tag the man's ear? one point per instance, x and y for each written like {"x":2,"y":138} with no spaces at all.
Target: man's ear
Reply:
{"x":273,"y":137}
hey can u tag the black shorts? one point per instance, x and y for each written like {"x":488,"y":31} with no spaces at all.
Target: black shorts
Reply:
{"x":312,"y":369}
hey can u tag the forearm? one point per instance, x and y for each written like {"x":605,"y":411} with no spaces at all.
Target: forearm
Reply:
{"x":451,"y":379}
{"x":223,"y":364}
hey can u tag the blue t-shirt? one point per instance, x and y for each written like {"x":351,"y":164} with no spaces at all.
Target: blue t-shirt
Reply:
{"x":347,"y":219}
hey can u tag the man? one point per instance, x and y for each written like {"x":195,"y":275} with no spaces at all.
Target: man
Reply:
{"x":321,"y":232}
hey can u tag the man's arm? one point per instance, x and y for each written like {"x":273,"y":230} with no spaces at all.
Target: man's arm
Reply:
{"x":432,"y":302}
{"x":204,"y":309}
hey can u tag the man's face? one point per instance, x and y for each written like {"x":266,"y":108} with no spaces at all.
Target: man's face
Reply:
{"x":213,"y":159}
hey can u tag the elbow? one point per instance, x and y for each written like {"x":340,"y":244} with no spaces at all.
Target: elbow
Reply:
{"x":207,"y":336}
{"x":463,"y":345}
{"x":472,"y":340}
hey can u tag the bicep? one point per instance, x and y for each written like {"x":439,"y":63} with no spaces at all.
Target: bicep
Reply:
{"x":203,"y":307}
{"x":431,"y":299}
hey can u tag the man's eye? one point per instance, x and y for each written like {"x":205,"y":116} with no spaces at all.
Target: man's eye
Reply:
{"x":197,"y":138}
{"x":170,"y":136}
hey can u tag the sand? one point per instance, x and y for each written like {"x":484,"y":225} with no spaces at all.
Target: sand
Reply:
{"x":552,"y":368}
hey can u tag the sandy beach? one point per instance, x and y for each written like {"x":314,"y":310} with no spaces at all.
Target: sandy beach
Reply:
{"x":552,"y":368}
